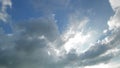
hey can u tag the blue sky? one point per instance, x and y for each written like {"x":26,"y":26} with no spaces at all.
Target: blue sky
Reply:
{"x":59,"y":33}
{"x":24,"y":10}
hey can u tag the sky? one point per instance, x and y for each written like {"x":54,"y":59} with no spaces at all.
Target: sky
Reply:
{"x":59,"y":33}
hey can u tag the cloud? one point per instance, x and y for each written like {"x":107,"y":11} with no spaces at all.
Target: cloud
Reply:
{"x":76,"y":35}
{"x":115,"y":4}
{"x":36,"y":43}
{"x":3,"y":11}
{"x":96,"y":53}
{"x":114,"y":21}
{"x":110,"y":65}
{"x":28,"y":46}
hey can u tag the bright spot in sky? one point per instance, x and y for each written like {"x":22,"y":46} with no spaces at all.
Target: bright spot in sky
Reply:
{"x":77,"y":41}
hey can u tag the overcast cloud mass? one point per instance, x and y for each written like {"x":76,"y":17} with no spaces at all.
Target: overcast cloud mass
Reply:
{"x":59,"y":34}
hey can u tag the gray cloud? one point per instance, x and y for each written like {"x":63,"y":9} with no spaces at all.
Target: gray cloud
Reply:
{"x":28,"y":46}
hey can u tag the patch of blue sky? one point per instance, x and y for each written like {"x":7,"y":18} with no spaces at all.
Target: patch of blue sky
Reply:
{"x":23,"y":10}
{"x":98,"y":11}
{"x":6,"y":27}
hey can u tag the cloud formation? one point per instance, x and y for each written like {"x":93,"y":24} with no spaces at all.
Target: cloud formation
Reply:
{"x":29,"y":45}
{"x":114,"y":21}
{"x":37,"y":43}
{"x":3,"y":11}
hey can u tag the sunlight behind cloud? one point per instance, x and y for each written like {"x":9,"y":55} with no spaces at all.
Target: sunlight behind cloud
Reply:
{"x":76,"y":42}
{"x":77,"y":37}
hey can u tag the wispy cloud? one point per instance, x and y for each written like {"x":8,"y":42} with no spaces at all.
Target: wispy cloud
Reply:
{"x":3,"y":11}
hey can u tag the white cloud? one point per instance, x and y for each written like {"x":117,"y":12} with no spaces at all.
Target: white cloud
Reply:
{"x":77,"y":36}
{"x":115,"y":4}
{"x":100,"y":52}
{"x":3,"y":11}
{"x":114,"y":21}
{"x":108,"y":48}
{"x":109,"y":65}
{"x":74,"y":36}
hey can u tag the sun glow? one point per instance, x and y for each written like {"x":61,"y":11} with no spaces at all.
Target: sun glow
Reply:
{"x":77,"y":41}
